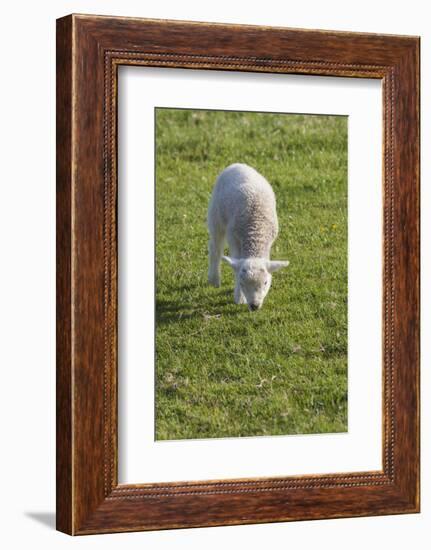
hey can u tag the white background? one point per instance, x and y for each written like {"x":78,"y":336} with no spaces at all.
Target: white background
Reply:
{"x":27,"y":207}
{"x":141,"y":459}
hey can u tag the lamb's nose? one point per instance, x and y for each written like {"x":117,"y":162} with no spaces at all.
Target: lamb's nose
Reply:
{"x":253,"y":307}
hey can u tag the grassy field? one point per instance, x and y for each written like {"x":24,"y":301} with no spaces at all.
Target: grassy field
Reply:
{"x":222,"y":371}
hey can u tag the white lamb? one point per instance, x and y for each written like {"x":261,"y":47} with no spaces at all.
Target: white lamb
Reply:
{"x":242,"y":211}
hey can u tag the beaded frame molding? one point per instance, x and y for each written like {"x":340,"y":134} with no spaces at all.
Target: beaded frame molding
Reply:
{"x":89,"y":51}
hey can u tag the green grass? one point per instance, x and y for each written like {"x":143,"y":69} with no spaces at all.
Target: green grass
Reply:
{"x":222,"y":371}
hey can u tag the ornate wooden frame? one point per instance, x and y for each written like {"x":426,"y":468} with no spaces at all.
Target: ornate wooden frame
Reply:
{"x":89,"y":51}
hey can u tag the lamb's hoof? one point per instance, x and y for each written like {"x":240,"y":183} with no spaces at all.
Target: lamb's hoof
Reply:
{"x":214,"y":281}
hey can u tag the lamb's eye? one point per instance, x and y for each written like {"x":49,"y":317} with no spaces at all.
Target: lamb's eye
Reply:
{"x":266,"y":282}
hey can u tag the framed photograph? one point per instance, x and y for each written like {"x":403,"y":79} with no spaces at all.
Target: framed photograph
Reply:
{"x":237,"y":274}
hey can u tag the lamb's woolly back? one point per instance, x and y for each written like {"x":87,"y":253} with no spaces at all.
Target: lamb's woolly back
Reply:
{"x":244,"y":202}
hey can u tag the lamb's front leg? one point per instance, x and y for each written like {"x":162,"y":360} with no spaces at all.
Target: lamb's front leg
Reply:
{"x":238,"y":295}
{"x":234,"y":249}
{"x":215,"y":249}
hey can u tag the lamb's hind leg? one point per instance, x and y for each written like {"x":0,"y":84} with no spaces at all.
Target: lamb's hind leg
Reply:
{"x":215,"y":249}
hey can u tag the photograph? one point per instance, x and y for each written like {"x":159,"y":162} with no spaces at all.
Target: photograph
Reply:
{"x":251,"y":274}
{"x":237,"y":252}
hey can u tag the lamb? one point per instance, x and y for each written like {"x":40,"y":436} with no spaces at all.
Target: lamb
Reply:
{"x":242,"y":211}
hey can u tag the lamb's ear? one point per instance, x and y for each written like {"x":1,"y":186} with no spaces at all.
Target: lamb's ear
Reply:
{"x":233,"y":262}
{"x":276,"y":265}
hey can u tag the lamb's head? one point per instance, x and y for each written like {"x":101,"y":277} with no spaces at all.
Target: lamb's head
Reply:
{"x":253,"y":278}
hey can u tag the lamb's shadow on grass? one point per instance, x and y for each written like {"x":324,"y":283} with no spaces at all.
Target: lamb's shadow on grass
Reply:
{"x":219,"y":303}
